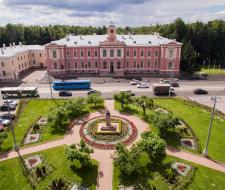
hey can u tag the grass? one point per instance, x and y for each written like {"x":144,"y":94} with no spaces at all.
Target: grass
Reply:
{"x":213,"y":71}
{"x":197,"y":118}
{"x":204,"y":178}
{"x":33,"y":110}
{"x":12,"y":177}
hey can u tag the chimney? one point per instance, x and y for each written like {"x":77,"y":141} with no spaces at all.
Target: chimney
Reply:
{"x":10,"y":45}
{"x":20,"y":43}
{"x":4,"y":46}
{"x":81,"y":37}
{"x":14,"y":45}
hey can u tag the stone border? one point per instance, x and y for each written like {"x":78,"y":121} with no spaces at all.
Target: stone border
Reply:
{"x":107,"y":146}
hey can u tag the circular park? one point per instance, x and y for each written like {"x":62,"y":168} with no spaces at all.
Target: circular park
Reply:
{"x":104,"y":132}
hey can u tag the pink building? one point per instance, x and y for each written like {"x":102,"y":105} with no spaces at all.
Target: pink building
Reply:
{"x":113,"y":55}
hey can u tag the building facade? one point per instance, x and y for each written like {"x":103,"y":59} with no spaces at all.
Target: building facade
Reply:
{"x":15,"y":60}
{"x":113,"y":55}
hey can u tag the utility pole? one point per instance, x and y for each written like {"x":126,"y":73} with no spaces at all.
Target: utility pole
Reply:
{"x":16,"y":147}
{"x":205,"y":152}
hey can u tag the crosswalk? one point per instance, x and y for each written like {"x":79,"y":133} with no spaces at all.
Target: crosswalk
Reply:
{"x":206,"y":99}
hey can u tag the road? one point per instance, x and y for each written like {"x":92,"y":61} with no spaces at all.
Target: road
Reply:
{"x":108,"y":89}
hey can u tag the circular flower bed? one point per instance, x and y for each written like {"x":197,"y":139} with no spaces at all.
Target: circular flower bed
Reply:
{"x":108,"y":141}
{"x":93,"y":127}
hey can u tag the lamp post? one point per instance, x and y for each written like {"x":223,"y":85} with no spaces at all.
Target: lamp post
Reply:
{"x":16,"y":147}
{"x":50,"y":86}
{"x":170,"y":80}
{"x":214,"y":99}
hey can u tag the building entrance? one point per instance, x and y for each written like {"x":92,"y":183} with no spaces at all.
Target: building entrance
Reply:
{"x":111,"y":67}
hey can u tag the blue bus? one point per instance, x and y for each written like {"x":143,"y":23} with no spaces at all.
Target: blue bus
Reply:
{"x":71,"y":85}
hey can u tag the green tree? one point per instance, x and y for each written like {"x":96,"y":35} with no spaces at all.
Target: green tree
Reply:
{"x":123,"y":98}
{"x":144,"y":102}
{"x":153,"y":145}
{"x":95,"y":99}
{"x":75,"y":108}
{"x":75,"y":154}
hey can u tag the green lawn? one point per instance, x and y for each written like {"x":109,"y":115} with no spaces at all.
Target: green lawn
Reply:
{"x":197,"y":118}
{"x":12,"y":177}
{"x":213,"y":71}
{"x":204,"y":178}
{"x":33,"y":110}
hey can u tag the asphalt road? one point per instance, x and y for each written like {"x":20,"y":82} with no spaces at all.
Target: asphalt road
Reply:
{"x":108,"y":89}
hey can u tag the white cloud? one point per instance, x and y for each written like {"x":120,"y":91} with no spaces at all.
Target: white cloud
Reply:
{"x":98,"y":12}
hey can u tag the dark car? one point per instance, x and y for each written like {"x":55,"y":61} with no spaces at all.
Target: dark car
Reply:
{"x":200,"y":91}
{"x":5,"y":107}
{"x":8,"y":116}
{"x":175,"y":84}
{"x":93,"y":92}
{"x":65,"y":93}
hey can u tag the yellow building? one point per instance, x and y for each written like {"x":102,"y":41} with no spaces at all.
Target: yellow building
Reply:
{"x":15,"y":60}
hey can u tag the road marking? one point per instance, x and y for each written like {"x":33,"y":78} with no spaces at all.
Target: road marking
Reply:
{"x":206,"y":99}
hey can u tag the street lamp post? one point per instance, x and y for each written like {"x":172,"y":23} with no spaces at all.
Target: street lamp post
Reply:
{"x":50,"y":86}
{"x":205,"y":152}
{"x":170,"y":81}
{"x":16,"y":147}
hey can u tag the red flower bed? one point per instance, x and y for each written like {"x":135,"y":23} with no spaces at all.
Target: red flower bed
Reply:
{"x":128,"y":141}
{"x":181,"y":168}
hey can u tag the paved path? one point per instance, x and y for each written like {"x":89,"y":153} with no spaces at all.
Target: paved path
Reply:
{"x":105,"y":157}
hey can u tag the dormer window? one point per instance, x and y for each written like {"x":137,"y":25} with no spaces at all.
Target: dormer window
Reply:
{"x":89,"y":42}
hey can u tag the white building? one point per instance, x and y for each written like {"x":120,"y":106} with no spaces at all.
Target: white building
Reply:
{"x":17,"y":59}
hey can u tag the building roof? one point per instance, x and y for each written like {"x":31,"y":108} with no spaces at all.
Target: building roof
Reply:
{"x":130,"y":40}
{"x":13,"y":50}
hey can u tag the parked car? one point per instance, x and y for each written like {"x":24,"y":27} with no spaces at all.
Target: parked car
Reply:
{"x":4,"y":122}
{"x":12,"y":102}
{"x":6,"y":107}
{"x":93,"y":92}
{"x":65,"y":93}
{"x":175,"y":84}
{"x":130,"y":92}
{"x":200,"y":91}
{"x":7,"y":116}
{"x":134,"y":82}
{"x":143,"y":85}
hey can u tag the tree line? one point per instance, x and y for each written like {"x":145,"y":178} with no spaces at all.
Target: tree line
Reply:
{"x":203,"y":43}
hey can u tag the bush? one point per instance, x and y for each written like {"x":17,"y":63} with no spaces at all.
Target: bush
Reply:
{"x":170,"y":175}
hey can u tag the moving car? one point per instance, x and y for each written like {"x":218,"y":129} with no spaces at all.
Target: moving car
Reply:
{"x":12,"y":102}
{"x":200,"y":91}
{"x":7,"y":116}
{"x":4,"y":122}
{"x":175,"y":84}
{"x":93,"y":92}
{"x":65,"y":93}
{"x":134,"y":82}
{"x":5,"y":107}
{"x":143,"y":85}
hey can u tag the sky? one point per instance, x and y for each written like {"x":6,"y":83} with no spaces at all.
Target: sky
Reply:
{"x":101,"y":12}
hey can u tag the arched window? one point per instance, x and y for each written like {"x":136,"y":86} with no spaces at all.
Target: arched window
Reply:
{"x":127,"y":63}
{"x":104,"y":65}
{"x":55,"y":66}
{"x":104,"y":53}
{"x":89,"y":64}
{"x":111,"y":53}
{"x":96,"y":64}
{"x":75,"y":64}
{"x":89,"y":54}
{"x":118,"y":53}
{"x":142,"y":64}
{"x":54,"y":54}
{"x":170,"y":66}
{"x":118,"y":65}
